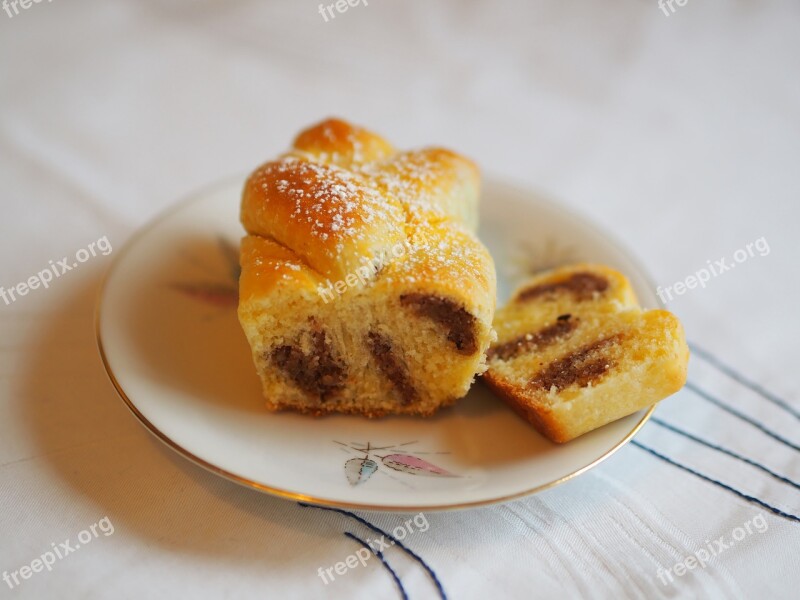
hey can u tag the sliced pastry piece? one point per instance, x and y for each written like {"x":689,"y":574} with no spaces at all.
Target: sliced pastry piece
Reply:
{"x":575,"y":352}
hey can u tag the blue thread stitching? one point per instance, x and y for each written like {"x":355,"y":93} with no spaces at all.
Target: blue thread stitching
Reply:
{"x":731,"y":453}
{"x":735,"y":375}
{"x":742,"y":495}
{"x":408,"y":551}
{"x":742,"y":416}
{"x":379,"y":554}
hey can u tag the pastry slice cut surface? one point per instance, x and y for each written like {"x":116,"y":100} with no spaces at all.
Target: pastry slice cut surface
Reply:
{"x":575,"y":351}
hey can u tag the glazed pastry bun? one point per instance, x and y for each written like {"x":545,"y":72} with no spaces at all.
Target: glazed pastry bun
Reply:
{"x":364,"y":288}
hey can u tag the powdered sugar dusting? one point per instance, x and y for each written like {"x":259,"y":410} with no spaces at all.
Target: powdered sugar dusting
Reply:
{"x":334,"y":202}
{"x":345,"y":208}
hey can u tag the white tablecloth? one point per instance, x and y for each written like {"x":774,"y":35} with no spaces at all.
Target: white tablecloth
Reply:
{"x":678,"y":131}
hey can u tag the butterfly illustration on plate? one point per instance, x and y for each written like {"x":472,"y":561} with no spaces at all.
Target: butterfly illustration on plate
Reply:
{"x":395,"y":458}
{"x":222,"y":293}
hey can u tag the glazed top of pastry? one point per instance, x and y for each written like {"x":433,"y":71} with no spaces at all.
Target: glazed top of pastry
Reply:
{"x":343,"y":194}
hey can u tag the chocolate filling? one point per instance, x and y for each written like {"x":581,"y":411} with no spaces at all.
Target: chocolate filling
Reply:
{"x":391,"y":366}
{"x":534,"y":341}
{"x":582,"y":286}
{"x":459,"y":323}
{"x":318,"y":373}
{"x":584,"y":366}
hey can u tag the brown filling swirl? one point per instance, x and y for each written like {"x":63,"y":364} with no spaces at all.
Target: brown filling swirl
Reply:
{"x":531,"y":342}
{"x":582,"y":367}
{"x":391,"y":366}
{"x":582,"y":286}
{"x":460,"y":324}
{"x":319,"y":373}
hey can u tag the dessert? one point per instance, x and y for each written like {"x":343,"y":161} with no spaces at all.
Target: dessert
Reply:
{"x":364,"y":288}
{"x":575,"y":351}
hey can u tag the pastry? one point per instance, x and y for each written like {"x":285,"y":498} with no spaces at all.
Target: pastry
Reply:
{"x":574,"y":351}
{"x":364,"y":288}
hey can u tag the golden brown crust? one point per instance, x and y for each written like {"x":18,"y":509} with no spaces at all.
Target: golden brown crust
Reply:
{"x":330,"y":217}
{"x":340,"y":143}
{"x":430,"y":183}
{"x":540,"y":419}
{"x":343,"y":195}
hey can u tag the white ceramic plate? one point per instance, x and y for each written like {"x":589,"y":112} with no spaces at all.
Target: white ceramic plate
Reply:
{"x":172,"y":345}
